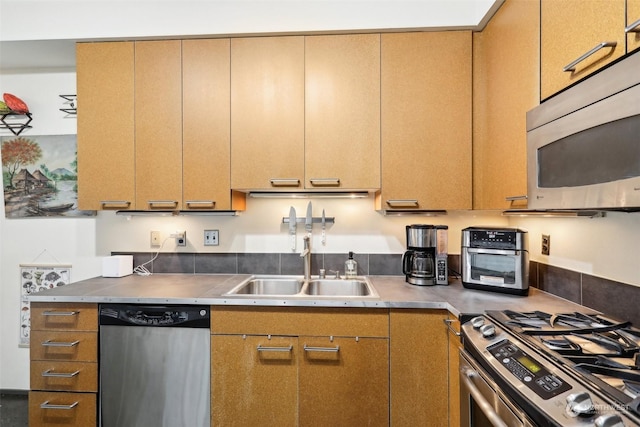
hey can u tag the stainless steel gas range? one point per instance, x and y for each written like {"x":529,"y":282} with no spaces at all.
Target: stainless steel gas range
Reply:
{"x":542,"y":369}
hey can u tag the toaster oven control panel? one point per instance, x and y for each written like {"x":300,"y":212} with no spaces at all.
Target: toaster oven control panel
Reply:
{"x":528,"y":370}
{"x":494,"y":239}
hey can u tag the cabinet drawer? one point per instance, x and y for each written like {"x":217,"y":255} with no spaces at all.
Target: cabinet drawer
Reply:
{"x":64,"y":346}
{"x":300,"y":321}
{"x":64,"y":316}
{"x":64,"y":376}
{"x":62,"y":409}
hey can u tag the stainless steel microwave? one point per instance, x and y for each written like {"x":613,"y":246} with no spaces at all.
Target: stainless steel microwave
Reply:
{"x":583,"y":144}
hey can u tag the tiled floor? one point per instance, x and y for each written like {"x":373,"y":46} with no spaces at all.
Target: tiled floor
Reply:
{"x":14,"y":410}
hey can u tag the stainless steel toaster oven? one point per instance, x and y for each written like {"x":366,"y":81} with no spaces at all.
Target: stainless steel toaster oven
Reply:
{"x":495,"y":259}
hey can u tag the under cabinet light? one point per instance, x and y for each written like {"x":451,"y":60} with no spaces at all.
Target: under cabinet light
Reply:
{"x":555,"y":213}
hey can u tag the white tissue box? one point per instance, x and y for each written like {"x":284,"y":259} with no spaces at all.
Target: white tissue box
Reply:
{"x":117,"y":266}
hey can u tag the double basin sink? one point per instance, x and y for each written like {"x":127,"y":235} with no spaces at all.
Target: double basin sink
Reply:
{"x":298,"y":287}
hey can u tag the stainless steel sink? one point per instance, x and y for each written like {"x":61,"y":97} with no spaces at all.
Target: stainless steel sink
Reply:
{"x":267,"y":285}
{"x":338,"y":287}
{"x":296,"y":287}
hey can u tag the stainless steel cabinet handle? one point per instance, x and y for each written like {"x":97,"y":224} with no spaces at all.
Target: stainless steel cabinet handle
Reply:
{"x":633,"y":28}
{"x":324,"y":349}
{"x":284,"y":349}
{"x":482,"y":402}
{"x":115,"y":202}
{"x":450,"y":322}
{"x":153,"y":203}
{"x":49,"y":373}
{"x":285,"y":182}
{"x":325,"y":182}
{"x":200,"y":203}
{"x":50,"y":343}
{"x":514,"y":198}
{"x":572,"y":65}
{"x":47,"y":405}
{"x":60,"y":313}
{"x":398,"y":203}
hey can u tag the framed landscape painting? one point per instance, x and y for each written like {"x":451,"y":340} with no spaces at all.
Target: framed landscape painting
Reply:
{"x":40,"y":175}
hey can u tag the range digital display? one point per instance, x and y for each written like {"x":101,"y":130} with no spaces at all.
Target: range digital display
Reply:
{"x":529,"y":364}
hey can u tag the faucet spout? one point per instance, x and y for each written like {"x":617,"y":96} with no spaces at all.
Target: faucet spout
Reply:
{"x":306,"y":254}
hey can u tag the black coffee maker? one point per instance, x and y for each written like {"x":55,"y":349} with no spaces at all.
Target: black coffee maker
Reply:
{"x":425,"y":261}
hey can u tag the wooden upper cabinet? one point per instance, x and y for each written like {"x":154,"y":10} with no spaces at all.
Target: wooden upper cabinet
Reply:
{"x":105,"y":88}
{"x":505,"y":86}
{"x":572,"y":28}
{"x":426,"y":121}
{"x":342,"y":111}
{"x":633,"y":17}
{"x":267,"y":113}
{"x":158,"y":124}
{"x":206,"y":124}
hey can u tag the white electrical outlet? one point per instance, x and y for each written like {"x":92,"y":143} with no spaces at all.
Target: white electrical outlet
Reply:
{"x":155,"y":238}
{"x":211,"y":238}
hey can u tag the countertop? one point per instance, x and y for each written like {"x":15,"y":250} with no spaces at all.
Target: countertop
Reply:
{"x":394,"y":292}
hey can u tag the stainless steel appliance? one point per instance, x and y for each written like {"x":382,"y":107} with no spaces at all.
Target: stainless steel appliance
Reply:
{"x":495,"y":259}
{"x":582,"y":144}
{"x":541,"y":369}
{"x":154,"y":365}
{"x":425,"y":261}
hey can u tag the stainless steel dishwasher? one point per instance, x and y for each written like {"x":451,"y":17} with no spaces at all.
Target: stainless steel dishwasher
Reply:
{"x":154,"y":365}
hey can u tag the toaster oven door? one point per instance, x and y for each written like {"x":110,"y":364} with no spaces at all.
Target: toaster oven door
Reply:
{"x":499,"y":268}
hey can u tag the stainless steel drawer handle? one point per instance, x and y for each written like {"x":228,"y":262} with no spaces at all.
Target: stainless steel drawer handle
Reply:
{"x":283,"y":349}
{"x":633,"y":28}
{"x":398,"y":203}
{"x":572,"y":65}
{"x":47,"y":405}
{"x":50,"y":343}
{"x":285,"y":182}
{"x":201,"y":203}
{"x":115,"y":202}
{"x":325,"y":182}
{"x":50,"y":373}
{"x":323,"y":349}
{"x":153,"y":203}
{"x":60,"y":313}
{"x":514,"y":198}
{"x":484,"y":404}
{"x":450,"y":322}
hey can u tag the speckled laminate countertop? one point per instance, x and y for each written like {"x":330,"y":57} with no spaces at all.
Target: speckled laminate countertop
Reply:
{"x":394,"y":292}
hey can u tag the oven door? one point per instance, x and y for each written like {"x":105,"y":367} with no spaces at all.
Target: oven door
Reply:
{"x":507,"y":269}
{"x":482,"y":404}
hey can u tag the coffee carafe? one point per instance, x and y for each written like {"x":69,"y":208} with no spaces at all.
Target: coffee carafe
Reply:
{"x":425,"y":261}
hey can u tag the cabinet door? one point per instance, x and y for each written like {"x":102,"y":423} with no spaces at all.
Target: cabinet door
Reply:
{"x":342,"y":111}
{"x":267,"y":112}
{"x":158,"y":124}
{"x":206,"y":124}
{"x":419,"y":364}
{"x":572,"y":28}
{"x":426,"y":121}
{"x":254,"y":380}
{"x":506,"y":84}
{"x":344,"y":381}
{"x":633,"y":17}
{"x":105,"y":88}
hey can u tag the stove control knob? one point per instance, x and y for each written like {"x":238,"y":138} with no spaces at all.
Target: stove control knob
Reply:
{"x":488,"y":331}
{"x":580,"y":404}
{"x":476,"y":322}
{"x":609,"y":420}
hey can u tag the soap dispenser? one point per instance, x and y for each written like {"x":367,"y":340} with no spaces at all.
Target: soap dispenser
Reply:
{"x":350,"y":267}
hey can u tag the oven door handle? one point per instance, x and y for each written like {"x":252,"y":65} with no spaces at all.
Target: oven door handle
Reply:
{"x":483,"y":403}
{"x":508,"y":252}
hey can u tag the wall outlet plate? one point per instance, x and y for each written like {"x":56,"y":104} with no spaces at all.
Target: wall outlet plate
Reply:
{"x":211,"y":238}
{"x":546,"y":244}
{"x":155,"y":238}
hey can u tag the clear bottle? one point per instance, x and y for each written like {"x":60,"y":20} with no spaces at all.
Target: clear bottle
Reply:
{"x":350,"y":267}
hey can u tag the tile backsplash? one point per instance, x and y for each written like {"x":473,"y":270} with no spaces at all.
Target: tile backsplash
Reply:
{"x":613,"y":298}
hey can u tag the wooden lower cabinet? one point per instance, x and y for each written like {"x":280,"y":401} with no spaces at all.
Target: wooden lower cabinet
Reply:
{"x":418,"y":367}
{"x":64,"y":365}
{"x":455,"y":344}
